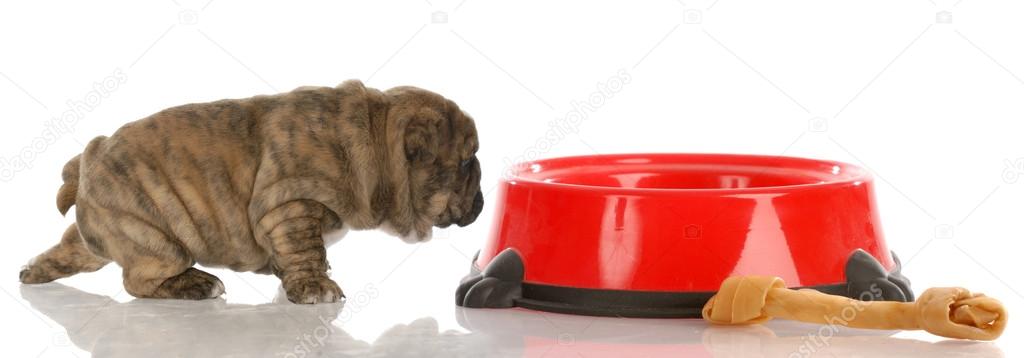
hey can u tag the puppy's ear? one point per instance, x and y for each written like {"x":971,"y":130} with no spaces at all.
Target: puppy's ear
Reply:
{"x":421,"y":137}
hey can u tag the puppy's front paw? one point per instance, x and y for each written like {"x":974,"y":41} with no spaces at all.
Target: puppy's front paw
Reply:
{"x":318,"y":289}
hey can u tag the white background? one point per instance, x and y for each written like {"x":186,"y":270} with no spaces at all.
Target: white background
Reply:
{"x":930,"y":102}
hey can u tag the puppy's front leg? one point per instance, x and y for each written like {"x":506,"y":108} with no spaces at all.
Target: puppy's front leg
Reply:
{"x":299,"y":256}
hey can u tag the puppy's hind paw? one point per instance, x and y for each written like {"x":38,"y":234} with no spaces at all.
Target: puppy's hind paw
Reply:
{"x":313,"y":290}
{"x":193,"y":284}
{"x":34,"y":274}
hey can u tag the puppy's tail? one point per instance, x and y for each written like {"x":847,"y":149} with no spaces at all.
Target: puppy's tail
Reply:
{"x":69,"y":191}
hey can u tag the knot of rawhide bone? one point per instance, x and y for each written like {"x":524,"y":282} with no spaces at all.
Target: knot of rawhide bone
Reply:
{"x":948,"y":311}
{"x":957,"y":313}
{"x":741,"y":300}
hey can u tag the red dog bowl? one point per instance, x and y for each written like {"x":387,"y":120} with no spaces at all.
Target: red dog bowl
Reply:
{"x":654,"y":235}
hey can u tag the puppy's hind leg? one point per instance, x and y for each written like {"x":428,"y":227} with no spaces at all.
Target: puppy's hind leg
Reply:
{"x":155,"y":266}
{"x":148,"y":274}
{"x":68,"y":257}
{"x":164,"y":277}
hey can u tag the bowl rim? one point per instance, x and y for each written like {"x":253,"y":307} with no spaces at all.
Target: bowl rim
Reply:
{"x":857,"y":175}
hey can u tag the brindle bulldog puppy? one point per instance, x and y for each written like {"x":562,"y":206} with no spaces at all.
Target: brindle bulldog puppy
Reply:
{"x":263,"y":184}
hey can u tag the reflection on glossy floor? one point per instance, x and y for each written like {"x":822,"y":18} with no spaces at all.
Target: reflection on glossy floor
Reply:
{"x":214,"y":328}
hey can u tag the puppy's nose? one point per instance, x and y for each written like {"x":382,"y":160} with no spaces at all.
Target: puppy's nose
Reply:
{"x":478,"y":205}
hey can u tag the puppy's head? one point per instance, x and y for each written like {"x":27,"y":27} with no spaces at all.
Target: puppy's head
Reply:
{"x":439,"y":144}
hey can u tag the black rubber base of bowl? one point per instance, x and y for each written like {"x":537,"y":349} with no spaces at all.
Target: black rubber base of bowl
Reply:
{"x":500,"y":285}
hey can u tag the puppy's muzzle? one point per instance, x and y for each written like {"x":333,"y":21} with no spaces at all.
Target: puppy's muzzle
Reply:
{"x":470,"y":217}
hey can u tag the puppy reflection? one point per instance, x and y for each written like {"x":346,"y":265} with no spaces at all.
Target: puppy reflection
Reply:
{"x":215,"y":328}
